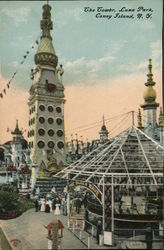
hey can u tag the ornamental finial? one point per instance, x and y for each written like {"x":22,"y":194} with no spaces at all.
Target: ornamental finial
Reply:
{"x":150,"y":81}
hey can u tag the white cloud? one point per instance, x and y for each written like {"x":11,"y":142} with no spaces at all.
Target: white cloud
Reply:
{"x":157,"y":52}
{"x":18,"y":15}
{"x":66,"y":15}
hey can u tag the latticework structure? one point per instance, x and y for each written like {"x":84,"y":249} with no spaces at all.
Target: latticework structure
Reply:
{"x":130,"y":154}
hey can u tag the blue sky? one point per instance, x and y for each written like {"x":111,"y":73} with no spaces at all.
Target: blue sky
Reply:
{"x":91,"y":49}
{"x":105,"y":60}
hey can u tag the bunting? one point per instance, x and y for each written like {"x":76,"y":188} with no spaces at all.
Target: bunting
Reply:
{"x":15,"y":73}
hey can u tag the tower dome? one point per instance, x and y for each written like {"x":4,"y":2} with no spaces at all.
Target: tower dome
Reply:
{"x":150,"y":95}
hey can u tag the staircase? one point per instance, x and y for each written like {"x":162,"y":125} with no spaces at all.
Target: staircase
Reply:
{"x":45,"y":185}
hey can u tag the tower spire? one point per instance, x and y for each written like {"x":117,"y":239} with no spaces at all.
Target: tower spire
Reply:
{"x":161,"y":118}
{"x":139,"y":119}
{"x":150,"y":93}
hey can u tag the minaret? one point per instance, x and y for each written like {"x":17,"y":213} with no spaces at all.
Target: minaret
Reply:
{"x":140,"y":119}
{"x":16,"y":146}
{"x":150,"y":105}
{"x":161,"y":126}
{"x":103,"y":132}
{"x":46,"y":102}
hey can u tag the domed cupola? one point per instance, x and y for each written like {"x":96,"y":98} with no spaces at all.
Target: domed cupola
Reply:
{"x":46,"y":53}
{"x":150,"y":93}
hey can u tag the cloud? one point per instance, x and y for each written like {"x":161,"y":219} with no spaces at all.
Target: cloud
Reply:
{"x":156,"y":48}
{"x":68,"y":15}
{"x":19,"y":15}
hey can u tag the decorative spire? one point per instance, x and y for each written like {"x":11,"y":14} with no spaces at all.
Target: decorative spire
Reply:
{"x":46,"y":23}
{"x":150,"y":81}
{"x":17,"y":131}
{"x":103,"y":132}
{"x":46,"y":53}
{"x":161,"y":118}
{"x":139,"y":119}
{"x":150,"y":93}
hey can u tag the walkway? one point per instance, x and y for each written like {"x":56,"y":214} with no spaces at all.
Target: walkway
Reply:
{"x":29,"y":228}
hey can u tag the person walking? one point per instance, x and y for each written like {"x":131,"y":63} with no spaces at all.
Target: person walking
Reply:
{"x":149,"y":238}
{"x":36,"y":206}
{"x":99,"y":231}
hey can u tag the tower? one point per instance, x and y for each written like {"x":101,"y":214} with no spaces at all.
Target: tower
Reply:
{"x":150,"y":105}
{"x":103,"y":132}
{"x":46,"y":102}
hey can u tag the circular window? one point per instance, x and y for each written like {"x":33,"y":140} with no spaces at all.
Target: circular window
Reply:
{"x":59,"y":133}
{"x":60,"y":144}
{"x":41,"y":119}
{"x":58,"y":109}
{"x":50,"y":108}
{"x":51,"y":132}
{"x":41,"y":131}
{"x":51,"y":144}
{"x":42,"y":107}
{"x":41,"y":144}
{"x":59,"y":121}
{"x":50,"y":120}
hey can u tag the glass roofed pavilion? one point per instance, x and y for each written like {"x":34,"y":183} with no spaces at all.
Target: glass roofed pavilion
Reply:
{"x":124,"y":177}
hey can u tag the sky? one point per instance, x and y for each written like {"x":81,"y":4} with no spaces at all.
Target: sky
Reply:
{"x":105,"y":59}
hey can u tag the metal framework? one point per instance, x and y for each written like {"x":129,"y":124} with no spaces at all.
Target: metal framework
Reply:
{"x":130,"y":154}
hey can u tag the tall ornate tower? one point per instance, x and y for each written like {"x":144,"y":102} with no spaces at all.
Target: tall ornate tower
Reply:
{"x":46,"y":102}
{"x":150,"y":105}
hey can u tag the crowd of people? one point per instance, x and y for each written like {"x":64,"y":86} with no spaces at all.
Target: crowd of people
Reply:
{"x":48,"y":204}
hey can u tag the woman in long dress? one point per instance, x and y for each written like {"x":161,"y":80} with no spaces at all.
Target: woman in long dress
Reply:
{"x":57,"y":210}
{"x":42,"y":201}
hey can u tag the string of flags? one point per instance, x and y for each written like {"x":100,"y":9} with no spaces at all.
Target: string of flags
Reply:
{"x":4,"y":91}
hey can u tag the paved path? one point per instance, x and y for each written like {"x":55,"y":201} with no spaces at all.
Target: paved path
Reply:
{"x":29,"y":228}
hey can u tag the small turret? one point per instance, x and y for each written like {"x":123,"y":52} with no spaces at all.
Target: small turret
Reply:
{"x":161,"y":118}
{"x":139,"y":119}
{"x":104,"y":132}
